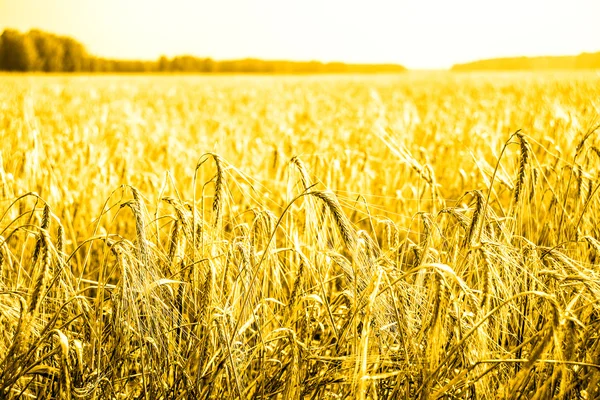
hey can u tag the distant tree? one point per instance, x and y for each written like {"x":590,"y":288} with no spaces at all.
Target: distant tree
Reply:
{"x":19,"y":52}
{"x":134,"y":66}
{"x":186,"y":63}
{"x":208,"y":65}
{"x":163,"y":64}
{"x":95,"y":64}
{"x":42,"y":51}
{"x":582,"y":61}
{"x":75,"y":57}
{"x":588,"y":60}
{"x":104,"y":65}
{"x":50,"y":51}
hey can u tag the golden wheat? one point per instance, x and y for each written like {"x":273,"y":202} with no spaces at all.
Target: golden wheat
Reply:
{"x":441,"y":242}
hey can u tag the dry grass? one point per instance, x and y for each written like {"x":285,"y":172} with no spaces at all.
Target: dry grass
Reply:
{"x":420,"y":236}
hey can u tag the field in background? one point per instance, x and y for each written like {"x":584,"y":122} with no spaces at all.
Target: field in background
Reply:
{"x":376,"y":236}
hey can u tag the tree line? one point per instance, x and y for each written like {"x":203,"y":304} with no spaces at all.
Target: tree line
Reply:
{"x":581,"y":61}
{"x":42,"y":51}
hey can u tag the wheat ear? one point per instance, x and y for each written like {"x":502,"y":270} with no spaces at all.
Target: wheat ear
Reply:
{"x":523,"y":162}
{"x":477,"y":216}
{"x":306,"y":181}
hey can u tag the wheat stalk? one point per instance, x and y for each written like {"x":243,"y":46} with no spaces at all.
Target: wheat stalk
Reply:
{"x":477,"y":217}
{"x":44,"y":225}
{"x":219,"y":190}
{"x":297,"y":284}
{"x":292,"y":388}
{"x":306,"y":181}
{"x":136,"y":207}
{"x":60,"y":241}
{"x":43,"y":275}
{"x":523,"y":163}
{"x":340,"y":219}
{"x":174,"y":240}
{"x":65,"y":376}
{"x":487,"y":268}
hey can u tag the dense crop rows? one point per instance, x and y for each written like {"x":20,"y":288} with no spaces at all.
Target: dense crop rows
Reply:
{"x":420,"y":235}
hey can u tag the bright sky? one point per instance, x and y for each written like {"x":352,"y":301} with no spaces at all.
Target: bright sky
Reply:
{"x":417,"y":33}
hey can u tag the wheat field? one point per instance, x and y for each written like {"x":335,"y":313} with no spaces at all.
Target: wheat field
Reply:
{"x":423,"y":235}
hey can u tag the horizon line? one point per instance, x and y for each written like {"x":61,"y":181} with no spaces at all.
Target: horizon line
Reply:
{"x":306,"y":60}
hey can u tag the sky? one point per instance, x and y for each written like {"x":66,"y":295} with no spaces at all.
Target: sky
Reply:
{"x":420,"y":34}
